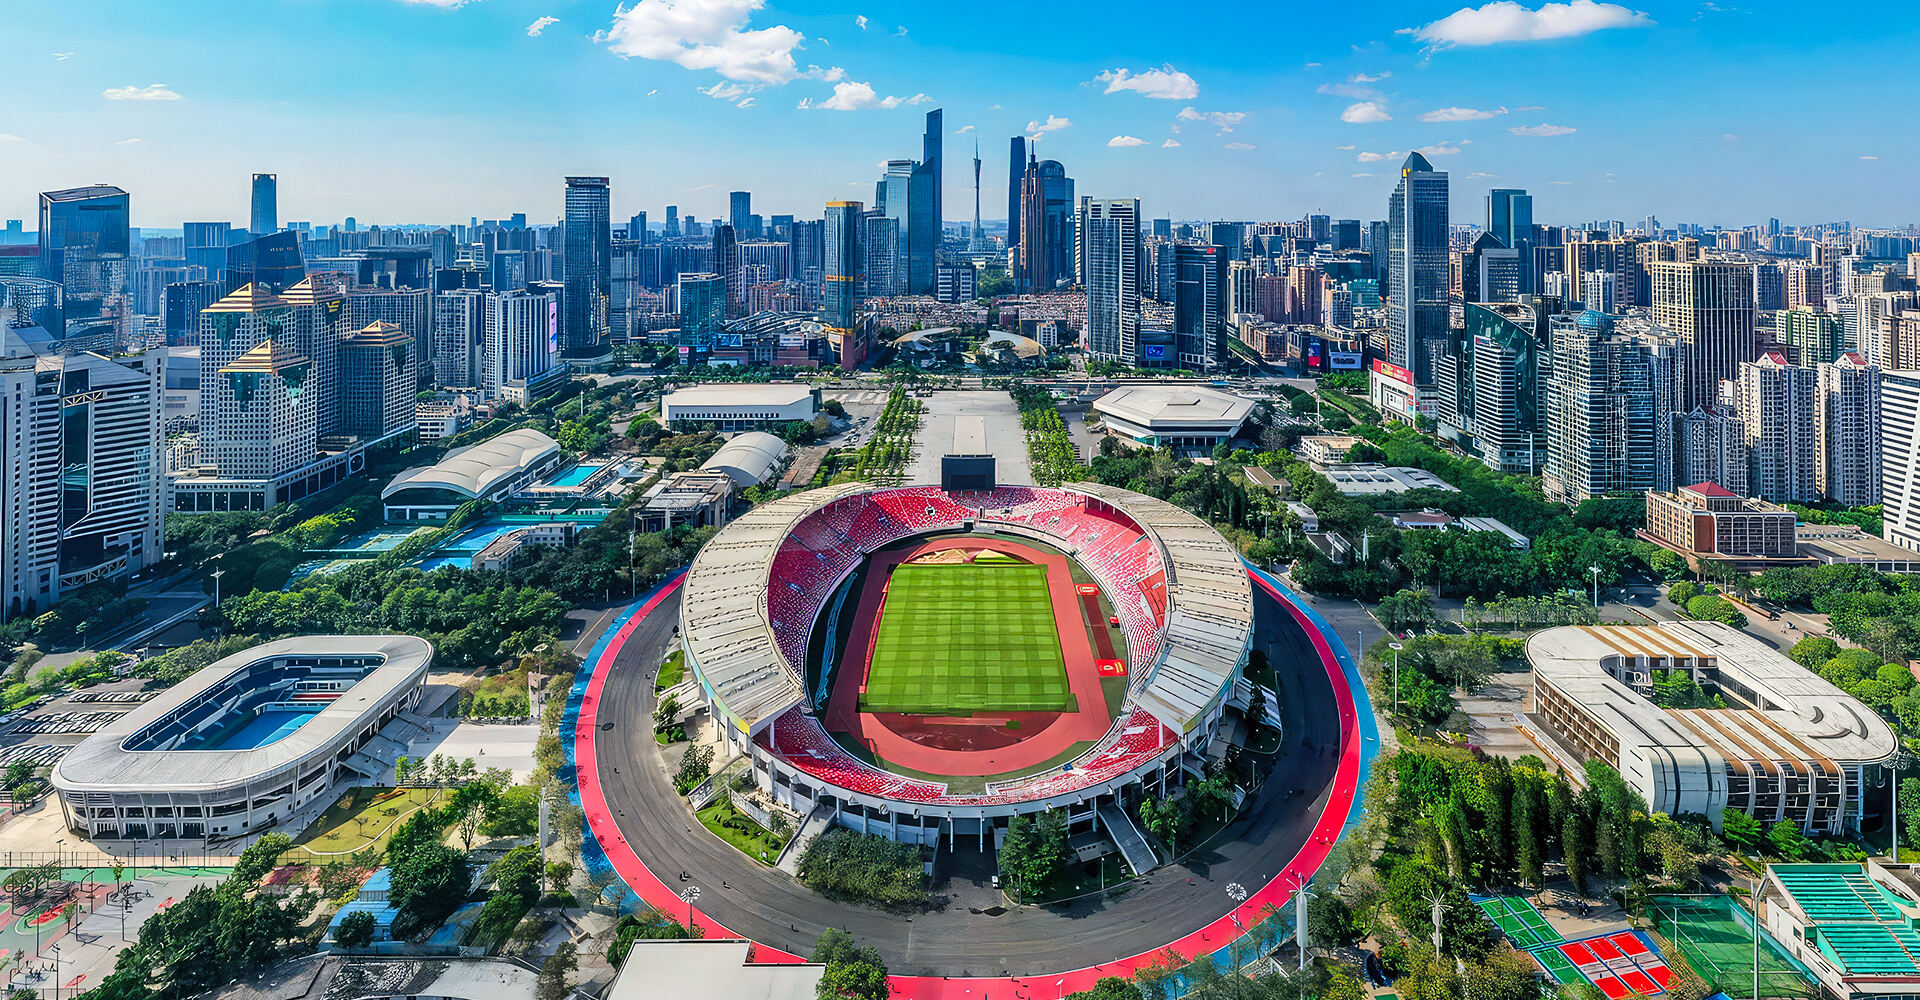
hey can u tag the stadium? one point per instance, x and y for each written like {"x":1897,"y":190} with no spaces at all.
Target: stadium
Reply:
{"x":244,"y":744}
{"x":927,"y":663}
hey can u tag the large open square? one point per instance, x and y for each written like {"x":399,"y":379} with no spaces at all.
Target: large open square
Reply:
{"x":967,"y":637}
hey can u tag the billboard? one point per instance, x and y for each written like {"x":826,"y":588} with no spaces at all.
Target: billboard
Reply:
{"x":1154,"y":352}
{"x":1344,"y":361}
{"x":1393,"y":371}
{"x":1316,"y":354}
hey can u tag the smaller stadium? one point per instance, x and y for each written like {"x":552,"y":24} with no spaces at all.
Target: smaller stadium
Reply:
{"x":926,"y":663}
{"x":244,"y":744}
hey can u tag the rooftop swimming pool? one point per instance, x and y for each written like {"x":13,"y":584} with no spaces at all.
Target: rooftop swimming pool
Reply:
{"x":575,"y":476}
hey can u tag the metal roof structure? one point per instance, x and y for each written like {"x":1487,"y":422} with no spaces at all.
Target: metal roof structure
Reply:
{"x":749,"y":458}
{"x":475,"y":469}
{"x":1855,"y":922}
{"x":103,"y":763}
{"x":1174,"y":408}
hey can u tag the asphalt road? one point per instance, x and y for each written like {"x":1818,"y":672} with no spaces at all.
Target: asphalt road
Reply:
{"x":772,"y":908}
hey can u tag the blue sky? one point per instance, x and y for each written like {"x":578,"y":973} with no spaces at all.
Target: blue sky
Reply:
{"x":436,"y":110}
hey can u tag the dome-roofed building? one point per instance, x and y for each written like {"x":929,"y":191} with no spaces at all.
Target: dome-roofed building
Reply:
{"x":490,"y":470}
{"x":750,"y":459}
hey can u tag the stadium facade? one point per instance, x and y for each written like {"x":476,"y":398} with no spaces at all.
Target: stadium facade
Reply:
{"x":246,"y":743}
{"x":754,"y":593}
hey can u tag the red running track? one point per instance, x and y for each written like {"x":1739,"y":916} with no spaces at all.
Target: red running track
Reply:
{"x":1207,"y":940}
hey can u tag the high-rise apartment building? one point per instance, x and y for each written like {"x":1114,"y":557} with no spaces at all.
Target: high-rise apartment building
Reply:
{"x":1417,"y":260}
{"x":1900,"y":457}
{"x":1708,"y":446}
{"x":85,"y":243}
{"x":265,"y":220}
{"x":1708,"y":306}
{"x":315,"y":325}
{"x":257,"y":421}
{"x":1778,"y":404}
{"x":1112,"y":240}
{"x":1818,"y":337}
{"x":1849,"y":425}
{"x":30,"y":463}
{"x":588,"y":267}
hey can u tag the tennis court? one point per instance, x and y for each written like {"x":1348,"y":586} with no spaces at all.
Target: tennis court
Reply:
{"x":1519,"y":921}
{"x":1619,"y":964}
{"x":1715,"y":937}
{"x":958,"y":638}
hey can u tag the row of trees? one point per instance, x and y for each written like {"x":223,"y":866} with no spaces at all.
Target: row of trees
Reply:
{"x":889,"y":445}
{"x":1880,"y":611}
{"x":1050,"y":449}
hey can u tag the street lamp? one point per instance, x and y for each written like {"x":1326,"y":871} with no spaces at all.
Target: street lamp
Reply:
{"x":687,"y":896}
{"x":1396,"y":647}
{"x":1237,"y":893}
{"x":1595,"y":568}
{"x":633,"y":542}
{"x":217,"y":574}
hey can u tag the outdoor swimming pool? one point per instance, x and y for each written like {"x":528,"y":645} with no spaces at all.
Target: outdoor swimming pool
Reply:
{"x":575,"y":476}
{"x":269,"y":726}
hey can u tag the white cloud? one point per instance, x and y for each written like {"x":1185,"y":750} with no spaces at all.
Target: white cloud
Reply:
{"x":442,"y":4}
{"x":1729,"y":137}
{"x":1119,"y":141}
{"x":1360,"y":175}
{"x":10,"y":137}
{"x":1462,"y":114}
{"x":726,"y":91}
{"x":1869,"y":157}
{"x":541,"y":24}
{"x":1165,"y":83}
{"x":1507,"y":21}
{"x":1438,"y":149}
{"x":150,"y":92}
{"x":1348,"y":146}
{"x":1350,"y":90}
{"x":705,"y":34}
{"x":1542,"y":129}
{"x":1532,"y":107}
{"x":852,"y":95}
{"x":1364,"y":113}
{"x":1481,"y":175}
{"x":126,"y":142}
{"x":861,"y":20}
{"x":1170,"y":144}
{"x":744,"y":102}
{"x":1364,"y":78}
{"x":652,"y":92}
{"x":62,"y":56}
{"x":1238,"y":145}
{"x":1312,"y":65}
{"x":1366,"y":157}
{"x":900,"y":31}
{"x":963,"y":129}
{"x":1224,"y":121}
{"x":1054,"y":123}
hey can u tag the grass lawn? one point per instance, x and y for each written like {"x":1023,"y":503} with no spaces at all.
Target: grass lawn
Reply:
{"x":746,"y":836}
{"x":1081,"y":878}
{"x":967,"y":637}
{"x":671,"y":670}
{"x":362,"y":818}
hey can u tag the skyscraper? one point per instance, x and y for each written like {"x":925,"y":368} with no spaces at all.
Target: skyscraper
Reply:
{"x":1510,"y":220}
{"x":924,"y":221}
{"x":893,"y":196}
{"x":1197,"y":307}
{"x":1708,"y":305}
{"x":84,"y":246}
{"x":1778,"y":403}
{"x":257,"y":422}
{"x":523,"y":333}
{"x":29,"y":480}
{"x":1046,"y":227}
{"x":1602,"y":409}
{"x":840,"y":287}
{"x":589,"y":267}
{"x":1112,"y":242}
{"x":703,"y":310}
{"x":377,"y":368}
{"x":266,"y":205}
{"x":1417,"y":259}
{"x":726,"y":264}
{"x":739,"y":210}
{"x":672,"y":225}
{"x":1016,"y":171}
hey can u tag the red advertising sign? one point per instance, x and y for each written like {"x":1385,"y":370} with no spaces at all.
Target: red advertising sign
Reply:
{"x":1393,"y":371}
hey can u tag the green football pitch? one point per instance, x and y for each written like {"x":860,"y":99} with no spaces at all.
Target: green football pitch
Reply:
{"x":958,"y":638}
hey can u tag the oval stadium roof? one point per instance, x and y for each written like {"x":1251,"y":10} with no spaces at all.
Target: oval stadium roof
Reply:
{"x":474,"y":470}
{"x":749,"y":458}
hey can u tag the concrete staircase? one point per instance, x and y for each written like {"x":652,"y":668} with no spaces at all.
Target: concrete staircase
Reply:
{"x":1132,"y":843}
{"x":817,"y":822}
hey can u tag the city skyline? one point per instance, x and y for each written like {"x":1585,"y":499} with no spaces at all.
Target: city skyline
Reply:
{"x":799,"y":105}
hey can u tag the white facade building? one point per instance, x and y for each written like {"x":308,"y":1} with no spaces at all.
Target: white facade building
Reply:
{"x":1779,"y":406}
{"x":523,"y":341}
{"x":1849,"y":429}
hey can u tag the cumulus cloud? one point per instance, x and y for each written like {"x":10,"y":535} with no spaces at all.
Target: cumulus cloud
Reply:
{"x":1224,"y":121}
{"x":1542,"y":129}
{"x":1365,"y":112}
{"x":1170,"y":144}
{"x":1439,"y":149}
{"x":1366,"y":157}
{"x":861,"y":21}
{"x":1054,"y":123}
{"x":705,"y":34}
{"x":852,"y":95}
{"x":1119,"y":141}
{"x":1508,"y":21}
{"x":962,"y":129}
{"x":150,"y":92}
{"x":541,"y":24}
{"x":1165,"y":83}
{"x":1238,"y":145}
{"x":62,"y":56}
{"x":1462,"y":114}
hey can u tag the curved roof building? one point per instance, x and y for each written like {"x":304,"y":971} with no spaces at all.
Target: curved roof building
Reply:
{"x":244,"y":743}
{"x":1787,"y":746}
{"x":489,"y":470}
{"x":751,"y":458}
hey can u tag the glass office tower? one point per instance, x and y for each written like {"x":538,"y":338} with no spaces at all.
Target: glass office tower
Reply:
{"x":84,"y":247}
{"x":589,"y":267}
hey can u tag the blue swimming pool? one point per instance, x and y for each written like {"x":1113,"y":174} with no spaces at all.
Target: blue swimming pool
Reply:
{"x":269,"y":726}
{"x":575,"y":476}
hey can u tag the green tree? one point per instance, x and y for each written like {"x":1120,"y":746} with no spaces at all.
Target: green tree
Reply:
{"x":1787,"y":842}
{"x":355,"y":930}
{"x":853,"y":981}
{"x":555,"y":981}
{"x":1741,"y":830}
{"x":1167,"y":820}
{"x":1033,"y":852}
{"x":1813,"y":651}
{"x":1406,"y":609}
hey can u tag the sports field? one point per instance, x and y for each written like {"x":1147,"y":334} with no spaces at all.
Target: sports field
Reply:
{"x":1716,"y":937}
{"x":959,"y":638}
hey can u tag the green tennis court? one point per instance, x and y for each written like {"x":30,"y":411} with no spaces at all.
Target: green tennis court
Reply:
{"x":958,"y":638}
{"x":1520,"y":922}
{"x":1717,"y":942}
{"x":1559,"y":968}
